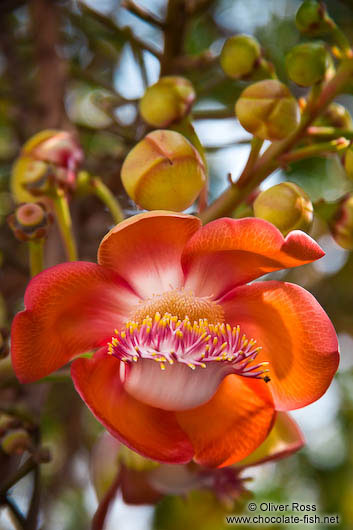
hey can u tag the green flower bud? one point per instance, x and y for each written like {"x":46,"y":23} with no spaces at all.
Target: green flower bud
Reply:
{"x":335,"y":115}
{"x":308,"y":63}
{"x":167,"y":101}
{"x":240,"y":56}
{"x":30,"y":221}
{"x":16,"y":442}
{"x":348,"y":162}
{"x":313,"y":19}
{"x":286,"y":206}
{"x":132,"y":460}
{"x":268,"y":110}
{"x":163,"y":172}
{"x":342,"y":225}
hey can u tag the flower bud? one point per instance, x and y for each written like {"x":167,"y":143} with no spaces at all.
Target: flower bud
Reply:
{"x":342,"y":226}
{"x":132,"y":460}
{"x":48,"y":157}
{"x":240,"y":56}
{"x":308,"y":63}
{"x":335,"y":115}
{"x":268,"y":110}
{"x":167,"y":101}
{"x":16,"y":441}
{"x":163,"y":172}
{"x":313,"y":19}
{"x":286,"y":206}
{"x":30,"y":221}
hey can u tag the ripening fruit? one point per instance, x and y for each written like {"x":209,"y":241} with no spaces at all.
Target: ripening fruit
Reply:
{"x":240,"y":56}
{"x":286,"y":206}
{"x":308,"y":63}
{"x":163,"y":172}
{"x":268,"y":110}
{"x":313,"y":19}
{"x":342,"y":226}
{"x":167,"y":101}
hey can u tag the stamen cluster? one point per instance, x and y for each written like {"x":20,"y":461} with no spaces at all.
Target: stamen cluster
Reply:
{"x":167,"y":339}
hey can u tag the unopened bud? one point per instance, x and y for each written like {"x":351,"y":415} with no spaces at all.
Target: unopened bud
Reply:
{"x":342,"y":225}
{"x":240,"y":56}
{"x":7,"y":422}
{"x":57,"y":147}
{"x":104,"y":463}
{"x":49,"y":157}
{"x":268,"y":110}
{"x":16,"y":442}
{"x":286,"y":206}
{"x":30,"y":221}
{"x":308,"y":63}
{"x":167,"y":101}
{"x":163,"y":172}
{"x":335,"y":115}
{"x":312,"y":18}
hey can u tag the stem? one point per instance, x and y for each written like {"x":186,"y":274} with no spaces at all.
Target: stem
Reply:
{"x":256,"y":144}
{"x":36,"y":256}
{"x":65,"y":224}
{"x":329,"y":133}
{"x":32,"y":515}
{"x":99,"y":517}
{"x":309,"y":151}
{"x":105,"y":195}
{"x":26,"y":468}
{"x":142,"y":13}
{"x":16,"y":516}
{"x":174,"y":34}
{"x":268,"y":162}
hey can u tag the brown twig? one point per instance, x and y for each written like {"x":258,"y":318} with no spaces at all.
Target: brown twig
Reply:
{"x":142,"y":13}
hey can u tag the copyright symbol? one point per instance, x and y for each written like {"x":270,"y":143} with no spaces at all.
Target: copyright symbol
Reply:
{"x":252,"y":506}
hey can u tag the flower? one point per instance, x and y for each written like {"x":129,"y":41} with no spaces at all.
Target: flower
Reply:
{"x":176,"y":374}
{"x":143,"y":481}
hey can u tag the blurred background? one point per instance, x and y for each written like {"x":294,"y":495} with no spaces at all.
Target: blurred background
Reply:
{"x":82,"y":66}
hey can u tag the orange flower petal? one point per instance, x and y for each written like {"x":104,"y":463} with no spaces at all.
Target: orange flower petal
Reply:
{"x":146,"y":250}
{"x":232,"y":424}
{"x":70,"y":308}
{"x":152,"y":432}
{"x":231,"y":252}
{"x":296,"y":336}
{"x":284,"y":440}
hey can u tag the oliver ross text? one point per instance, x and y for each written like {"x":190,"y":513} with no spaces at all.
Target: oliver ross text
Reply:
{"x":293,"y":507}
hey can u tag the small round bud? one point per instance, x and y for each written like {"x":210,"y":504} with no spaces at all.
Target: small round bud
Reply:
{"x":167,"y":101}
{"x":240,"y":56}
{"x":268,"y":110}
{"x":308,"y":63}
{"x":16,"y":442}
{"x":313,"y":19}
{"x":163,"y":172}
{"x":7,"y":422}
{"x":30,"y":221}
{"x":132,"y":460}
{"x":348,"y":162}
{"x":335,"y":115}
{"x":342,"y":225}
{"x":286,"y":206}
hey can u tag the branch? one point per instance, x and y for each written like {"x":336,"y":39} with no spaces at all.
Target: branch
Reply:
{"x":174,"y":34}
{"x":142,"y":13}
{"x":122,"y":32}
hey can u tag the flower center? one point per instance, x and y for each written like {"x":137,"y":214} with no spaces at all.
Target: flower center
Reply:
{"x":157,"y":355}
{"x":183,"y":304}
